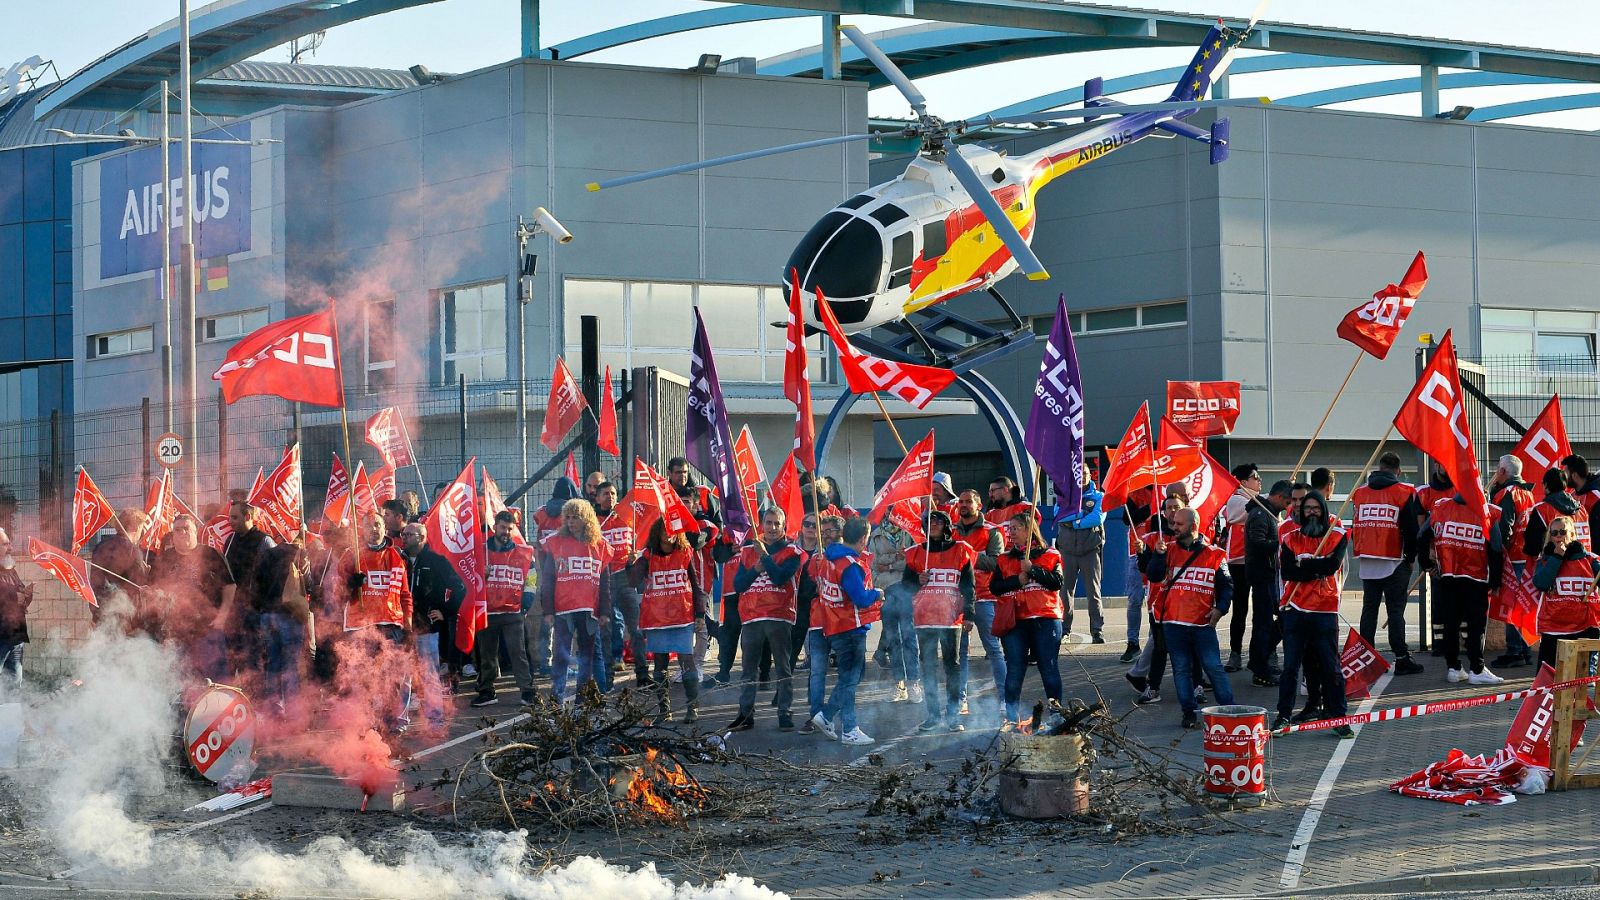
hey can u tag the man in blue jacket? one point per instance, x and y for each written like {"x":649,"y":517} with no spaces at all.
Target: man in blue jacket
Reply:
{"x":846,"y":623}
{"x":1081,"y":540}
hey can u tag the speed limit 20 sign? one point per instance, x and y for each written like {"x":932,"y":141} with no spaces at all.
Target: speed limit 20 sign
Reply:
{"x":169,"y":450}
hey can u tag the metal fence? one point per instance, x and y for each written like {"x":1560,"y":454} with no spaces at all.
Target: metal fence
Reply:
{"x":1520,"y":386}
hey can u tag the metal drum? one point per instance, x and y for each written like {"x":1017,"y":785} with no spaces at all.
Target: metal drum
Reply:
{"x":220,"y":733}
{"x":1235,"y":749}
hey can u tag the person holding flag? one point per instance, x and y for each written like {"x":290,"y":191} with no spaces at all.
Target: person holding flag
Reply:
{"x":1514,"y":497}
{"x":378,"y":616}
{"x":1565,"y":573}
{"x":118,"y":565}
{"x":940,"y":574}
{"x":1311,"y":560}
{"x":829,"y":531}
{"x":1196,"y":590}
{"x":1028,"y":578}
{"x":766,"y":581}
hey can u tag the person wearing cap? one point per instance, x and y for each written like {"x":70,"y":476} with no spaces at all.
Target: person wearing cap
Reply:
{"x":944,"y":494}
{"x":1081,"y":541}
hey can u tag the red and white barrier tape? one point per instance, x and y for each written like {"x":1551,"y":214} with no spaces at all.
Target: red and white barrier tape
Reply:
{"x":1426,"y":709}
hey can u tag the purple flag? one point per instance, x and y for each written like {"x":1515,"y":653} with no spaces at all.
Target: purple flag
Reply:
{"x":1055,"y":423}
{"x":707,"y":441}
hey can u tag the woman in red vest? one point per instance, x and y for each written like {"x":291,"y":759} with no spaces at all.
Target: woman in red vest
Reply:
{"x":671,"y":600}
{"x":574,"y":586}
{"x":940,"y":573}
{"x":1028,"y":576}
{"x":1566,"y":574}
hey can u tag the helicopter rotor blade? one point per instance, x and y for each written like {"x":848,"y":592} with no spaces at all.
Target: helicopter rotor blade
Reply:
{"x":735,"y":157}
{"x":888,"y":68}
{"x":1009,"y":235}
{"x":1057,"y":115}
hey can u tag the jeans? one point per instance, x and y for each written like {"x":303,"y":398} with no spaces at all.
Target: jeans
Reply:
{"x":1239,"y":617}
{"x":932,"y":643}
{"x":1391,"y":592}
{"x":1042,"y":638}
{"x":900,"y":633}
{"x":763,"y":640}
{"x":850,"y":650}
{"x":1194,"y":648}
{"x":1135,"y":586}
{"x":284,"y":640}
{"x":504,"y":630}
{"x":817,"y":674}
{"x":1462,"y":600}
{"x":432,"y":689}
{"x":579,"y":626}
{"x":984,"y":617}
{"x":1311,"y":636}
{"x":537,"y":632}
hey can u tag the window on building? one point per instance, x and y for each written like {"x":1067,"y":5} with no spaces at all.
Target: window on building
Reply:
{"x":120,"y":343}
{"x":1125,"y":318}
{"x":229,"y":326}
{"x":1539,"y":352}
{"x":644,"y":323}
{"x":472,"y":328}
{"x":378,"y":344}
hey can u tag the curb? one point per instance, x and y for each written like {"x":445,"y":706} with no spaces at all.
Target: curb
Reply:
{"x":1483,"y":880}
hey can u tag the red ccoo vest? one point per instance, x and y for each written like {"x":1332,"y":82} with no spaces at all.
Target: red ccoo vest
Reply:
{"x":507,"y":577}
{"x":764,"y":601}
{"x":1375,"y":530}
{"x":1034,"y":601}
{"x":578,"y":569}
{"x":839,"y":613}
{"x":1580,"y":519}
{"x":938,"y":602}
{"x":1522,"y":502}
{"x":385,"y":595}
{"x":1459,"y":542}
{"x":1189,"y":596}
{"x":978,"y":539}
{"x":1322,"y":595}
{"x":1570,"y":606}
{"x":666,"y":600}
{"x":620,"y":532}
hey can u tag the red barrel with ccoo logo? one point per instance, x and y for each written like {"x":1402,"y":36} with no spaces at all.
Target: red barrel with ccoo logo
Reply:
{"x":1235,"y":749}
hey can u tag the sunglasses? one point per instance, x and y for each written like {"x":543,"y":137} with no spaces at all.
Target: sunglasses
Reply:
{"x":1560,"y":531}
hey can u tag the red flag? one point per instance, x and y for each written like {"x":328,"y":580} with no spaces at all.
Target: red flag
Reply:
{"x":1361,"y":665}
{"x":296,"y":359}
{"x":494,"y":502}
{"x":912,"y":478}
{"x":916,"y":385}
{"x":160,"y":508}
{"x":564,"y":409}
{"x":1529,"y":737}
{"x":1516,"y":602}
{"x":1135,"y":453}
{"x":336,"y":503}
{"x":1210,"y":483}
{"x":747,"y":463}
{"x":217,"y":534}
{"x":1203,"y":408}
{"x":797,"y":380}
{"x":386,"y":430}
{"x":650,"y":489}
{"x":455,"y":532}
{"x":1435,"y":422}
{"x":572,"y":470}
{"x":383,"y":486}
{"x":785,"y":495}
{"x":607,"y":440}
{"x":907,"y":516}
{"x":90,"y":511}
{"x":1374,"y":325}
{"x":1543,"y":446}
{"x":261,"y":478}
{"x":280,"y":497}
{"x":361,"y":494}
{"x":72,"y":569}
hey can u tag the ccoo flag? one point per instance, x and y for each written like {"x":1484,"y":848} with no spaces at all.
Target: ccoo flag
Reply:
{"x":1434,"y":420}
{"x":296,"y":359}
{"x":1374,"y":325}
{"x":1055,"y":423}
{"x":708,"y":443}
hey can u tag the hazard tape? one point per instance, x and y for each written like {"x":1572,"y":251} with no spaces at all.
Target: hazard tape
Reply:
{"x":1428,"y":709}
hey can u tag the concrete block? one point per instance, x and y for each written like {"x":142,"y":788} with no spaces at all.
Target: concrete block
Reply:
{"x":330,"y":792}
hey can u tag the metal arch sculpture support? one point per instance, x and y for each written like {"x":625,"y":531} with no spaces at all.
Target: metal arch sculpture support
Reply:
{"x":996,"y":411}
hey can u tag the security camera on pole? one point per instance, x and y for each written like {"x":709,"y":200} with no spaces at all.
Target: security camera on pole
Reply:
{"x":543,"y":223}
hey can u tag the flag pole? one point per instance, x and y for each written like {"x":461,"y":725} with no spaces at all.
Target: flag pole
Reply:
{"x":904,"y":450}
{"x":1343,"y":508}
{"x":1325,"y":414}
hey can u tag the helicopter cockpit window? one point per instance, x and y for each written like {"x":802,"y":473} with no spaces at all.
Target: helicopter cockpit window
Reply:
{"x":888,"y":214}
{"x":842,"y":255}
{"x":933,"y":240}
{"x":900,"y":252}
{"x":856,"y":202}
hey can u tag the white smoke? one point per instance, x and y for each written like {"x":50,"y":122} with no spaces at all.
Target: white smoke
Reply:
{"x":108,"y":737}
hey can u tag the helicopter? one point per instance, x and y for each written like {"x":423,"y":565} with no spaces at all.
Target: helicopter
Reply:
{"x":960,"y":218}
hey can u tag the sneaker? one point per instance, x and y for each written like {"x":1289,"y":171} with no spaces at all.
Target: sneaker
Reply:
{"x":855,"y":737}
{"x":744,"y":722}
{"x":529,"y":698}
{"x":469,"y":671}
{"x":1280,"y":722}
{"x":966,"y":709}
{"x":1191,"y":720}
{"x":1199,"y":695}
{"x":1140,"y":684}
{"x":821,"y":723}
{"x":1235,"y":662}
{"x":1405,"y":665}
{"x":954,"y":727}
{"x":1309,"y":714}
{"x":808,"y":727}
{"x":1095,"y":638}
{"x":785,"y":722}
{"x":1268,"y":680}
{"x":916,"y":693}
{"x":1343,"y":731}
{"x":930,"y":724}
{"x":482,"y":701}
{"x":1148,"y":695}
{"x":1455,"y":676}
{"x":881,"y":657}
{"x":691,"y":715}
{"x":900,"y":694}
{"x":1130,"y":654}
{"x":1484,"y":677}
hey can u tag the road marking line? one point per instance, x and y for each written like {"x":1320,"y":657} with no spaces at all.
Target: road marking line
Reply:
{"x":1300,"y":845}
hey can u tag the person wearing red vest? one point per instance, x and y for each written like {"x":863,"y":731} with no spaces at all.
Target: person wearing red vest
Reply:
{"x":1028,"y":576}
{"x":944,"y":494}
{"x":767,"y":583}
{"x":1005,"y":501}
{"x":619,"y":528}
{"x":379,"y":611}
{"x":1196,"y":589}
{"x":988,"y":542}
{"x":1515,"y":499}
{"x":671,"y":603}
{"x":1151,"y":664}
{"x":1558,"y":501}
{"x":1311,"y":564}
{"x":509,"y":583}
{"x":828,"y":531}
{"x":1462,"y":548}
{"x":575,"y":587}
{"x":1565,"y":573}
{"x":1235,"y":513}
{"x":940,"y":574}
{"x":848,"y":604}
{"x":538,"y":627}
{"x":1383,"y":534}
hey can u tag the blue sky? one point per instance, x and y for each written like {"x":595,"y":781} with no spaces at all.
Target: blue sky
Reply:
{"x":461,"y":35}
